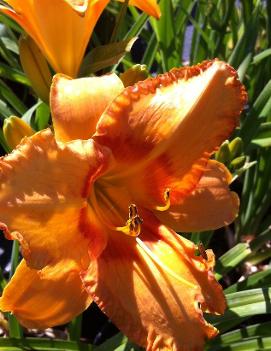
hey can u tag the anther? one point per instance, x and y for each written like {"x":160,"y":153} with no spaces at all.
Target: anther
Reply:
{"x":167,"y":202}
{"x":202,"y":251}
{"x":132,"y":211}
{"x":133,"y":224}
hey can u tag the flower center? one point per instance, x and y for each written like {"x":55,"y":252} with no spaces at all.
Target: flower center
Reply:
{"x":110,"y":211}
{"x":110,"y":205}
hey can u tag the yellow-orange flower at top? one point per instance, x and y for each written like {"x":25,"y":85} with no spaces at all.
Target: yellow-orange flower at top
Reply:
{"x":96,"y":217}
{"x":62,"y":28}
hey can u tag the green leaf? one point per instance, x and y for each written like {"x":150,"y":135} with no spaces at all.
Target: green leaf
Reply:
{"x":251,"y":331}
{"x":14,"y":257}
{"x":255,"y":344}
{"x":10,"y":23}
{"x":256,"y":280}
{"x":7,"y":55}
{"x":13,"y":74}
{"x":203,"y":237}
{"x":11,"y":98}
{"x":262,"y":99}
{"x":201,"y":45}
{"x":11,"y":45}
{"x":242,"y":69}
{"x":4,"y":110}
{"x":112,"y":343}
{"x":15,"y":330}
{"x":105,"y":56}
{"x":165,"y":32}
{"x":137,"y":26}
{"x":119,"y":21}
{"x":257,"y":59}
{"x":259,"y":257}
{"x":28,"y":116}
{"x":262,"y":142}
{"x":37,"y":344}
{"x":262,"y":137}
{"x":42,"y":116}
{"x":261,"y":239}
{"x":75,"y":328}
{"x":150,"y":51}
{"x":3,"y":281}
{"x":237,"y":173}
{"x":118,"y":342}
{"x":246,"y":43}
{"x":241,"y":305}
{"x":231,"y":259}
{"x":3,"y":140}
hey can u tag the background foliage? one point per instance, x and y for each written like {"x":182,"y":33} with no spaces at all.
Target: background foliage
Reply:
{"x":188,"y":32}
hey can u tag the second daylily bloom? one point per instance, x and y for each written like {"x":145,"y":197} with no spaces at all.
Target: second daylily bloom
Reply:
{"x":62,"y":28}
{"x":15,"y":129}
{"x":94,"y":216}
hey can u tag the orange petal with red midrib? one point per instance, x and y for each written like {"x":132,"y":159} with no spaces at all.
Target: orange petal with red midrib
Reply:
{"x":210,"y":206}
{"x":151,"y":306}
{"x":168,"y":126}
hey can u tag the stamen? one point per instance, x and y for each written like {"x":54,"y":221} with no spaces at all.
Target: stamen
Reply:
{"x":133,"y":224}
{"x":202,"y":251}
{"x":132,"y":211}
{"x":167,"y":200}
{"x":156,"y":259}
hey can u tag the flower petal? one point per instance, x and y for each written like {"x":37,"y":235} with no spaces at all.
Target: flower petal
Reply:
{"x":81,"y":102}
{"x":210,"y":206}
{"x":62,"y":42}
{"x":149,"y":6}
{"x":168,"y":126}
{"x":18,"y":18}
{"x":43,"y":200}
{"x":153,"y":297}
{"x":41,"y":300}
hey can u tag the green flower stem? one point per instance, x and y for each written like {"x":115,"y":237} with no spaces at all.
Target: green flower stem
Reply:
{"x":15,"y":331}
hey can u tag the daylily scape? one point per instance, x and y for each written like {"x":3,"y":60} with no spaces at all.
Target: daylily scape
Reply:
{"x":95,"y":205}
{"x":62,"y":28}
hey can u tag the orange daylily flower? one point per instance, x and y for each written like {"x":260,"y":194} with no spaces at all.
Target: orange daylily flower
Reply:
{"x":93,"y":209}
{"x":62,"y":28}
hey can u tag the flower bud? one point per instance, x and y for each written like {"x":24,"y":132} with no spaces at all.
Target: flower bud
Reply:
{"x":236,"y":147}
{"x":134,"y":75}
{"x":15,"y":129}
{"x":35,"y":66}
{"x":223,"y":154}
{"x":238,"y":162}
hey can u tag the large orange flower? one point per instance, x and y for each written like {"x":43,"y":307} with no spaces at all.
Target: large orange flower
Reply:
{"x":93,"y":216}
{"x":62,"y":28}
